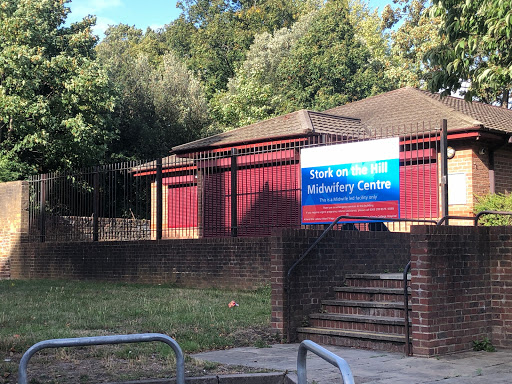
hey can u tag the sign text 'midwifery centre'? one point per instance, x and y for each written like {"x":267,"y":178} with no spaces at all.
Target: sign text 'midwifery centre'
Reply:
{"x":356,"y":179}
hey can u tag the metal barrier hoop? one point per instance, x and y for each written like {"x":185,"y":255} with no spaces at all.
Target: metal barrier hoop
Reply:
{"x":103,"y":340}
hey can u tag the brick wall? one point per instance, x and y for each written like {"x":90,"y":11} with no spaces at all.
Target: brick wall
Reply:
{"x":225,"y":263}
{"x":500,"y":248}
{"x":341,"y":252}
{"x":475,"y":166}
{"x":461,"y":287}
{"x":502,"y":174}
{"x":13,"y":221}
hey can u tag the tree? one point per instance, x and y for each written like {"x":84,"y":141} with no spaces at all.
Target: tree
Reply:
{"x":329,"y":66}
{"x":254,"y":94}
{"x":213,"y":36}
{"x":334,"y":53}
{"x":55,"y":98}
{"x":160,"y":105}
{"x":369,"y":30}
{"x":475,"y":49}
{"x":416,"y":35}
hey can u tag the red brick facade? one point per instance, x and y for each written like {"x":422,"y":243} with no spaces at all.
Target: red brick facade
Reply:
{"x":239,"y":263}
{"x":502,"y":169}
{"x":461,"y":284}
{"x":472,"y":160}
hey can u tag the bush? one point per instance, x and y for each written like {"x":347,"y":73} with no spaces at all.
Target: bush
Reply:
{"x":494,"y":202}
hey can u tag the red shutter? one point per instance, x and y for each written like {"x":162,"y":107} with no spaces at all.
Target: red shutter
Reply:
{"x":217,"y":204}
{"x":419,"y":191}
{"x":182,"y":207}
{"x":268,"y":197}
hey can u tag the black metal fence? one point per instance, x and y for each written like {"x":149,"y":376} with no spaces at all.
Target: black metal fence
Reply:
{"x":244,"y":190}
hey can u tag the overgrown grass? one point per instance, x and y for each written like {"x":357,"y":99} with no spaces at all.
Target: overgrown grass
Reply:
{"x":199,"y":319}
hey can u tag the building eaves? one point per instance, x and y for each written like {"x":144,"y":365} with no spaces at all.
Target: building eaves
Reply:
{"x":300,"y":123}
{"x":288,"y":125}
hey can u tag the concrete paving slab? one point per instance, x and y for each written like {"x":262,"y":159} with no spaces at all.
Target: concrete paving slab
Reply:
{"x":376,"y":367}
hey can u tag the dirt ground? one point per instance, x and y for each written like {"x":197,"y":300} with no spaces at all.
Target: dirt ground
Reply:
{"x":103,"y":364}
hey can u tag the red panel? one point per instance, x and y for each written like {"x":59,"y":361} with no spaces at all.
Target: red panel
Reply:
{"x":217,"y":204}
{"x":182,"y":207}
{"x":267,"y":197}
{"x":419,"y":191}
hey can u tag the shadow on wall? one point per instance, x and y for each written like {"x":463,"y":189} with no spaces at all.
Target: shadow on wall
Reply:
{"x":5,"y":269}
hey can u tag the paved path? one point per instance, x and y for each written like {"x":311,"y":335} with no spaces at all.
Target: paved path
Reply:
{"x":377,"y":367}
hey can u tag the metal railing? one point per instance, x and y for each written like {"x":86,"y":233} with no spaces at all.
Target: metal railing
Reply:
{"x":103,"y":340}
{"x":406,"y":310}
{"x":475,"y":219}
{"x":319,"y":239}
{"x":308,"y":345}
{"x":239,"y":190}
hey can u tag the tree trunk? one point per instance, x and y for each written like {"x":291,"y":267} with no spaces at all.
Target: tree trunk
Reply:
{"x":504,"y":102}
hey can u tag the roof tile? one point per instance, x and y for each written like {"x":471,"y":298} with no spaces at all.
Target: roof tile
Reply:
{"x":299,"y":123}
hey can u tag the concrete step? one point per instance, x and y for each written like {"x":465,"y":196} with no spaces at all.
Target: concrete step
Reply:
{"x":355,"y":339}
{"x":364,"y":308}
{"x":378,"y":324}
{"x":369,"y":294}
{"x":380,"y":280}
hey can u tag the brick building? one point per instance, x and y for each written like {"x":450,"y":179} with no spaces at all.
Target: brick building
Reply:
{"x":199,"y":177}
{"x":479,"y":136}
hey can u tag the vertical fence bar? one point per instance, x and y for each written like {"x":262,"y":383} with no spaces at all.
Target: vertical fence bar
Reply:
{"x":234,"y":205}
{"x":444,"y":169}
{"x":95,"y":204}
{"x":159,"y":198}
{"x":42,"y":209}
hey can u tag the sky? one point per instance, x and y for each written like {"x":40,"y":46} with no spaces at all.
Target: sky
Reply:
{"x":141,"y":13}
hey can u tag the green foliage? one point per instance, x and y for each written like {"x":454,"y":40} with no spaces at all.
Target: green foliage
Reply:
{"x":477,"y":36}
{"x":494,"y":202}
{"x":483,"y":345}
{"x":55,"y":98}
{"x":318,"y":63}
{"x":417,"y":35}
{"x":161,"y":104}
{"x":214,"y":36}
{"x":254,"y":94}
{"x":329,"y":66}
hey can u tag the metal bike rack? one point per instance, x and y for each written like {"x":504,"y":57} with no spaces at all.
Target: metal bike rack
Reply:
{"x":308,"y":345}
{"x":103,"y":340}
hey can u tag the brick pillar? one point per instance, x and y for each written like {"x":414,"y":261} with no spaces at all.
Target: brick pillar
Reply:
{"x":501,"y":288}
{"x":13,"y":222}
{"x":422,"y":318}
{"x":278,"y":280}
{"x":451,"y":288}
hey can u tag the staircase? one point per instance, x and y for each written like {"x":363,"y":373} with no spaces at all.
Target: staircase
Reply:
{"x":367,"y":313}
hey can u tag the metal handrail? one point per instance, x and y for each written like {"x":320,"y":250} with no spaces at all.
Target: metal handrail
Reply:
{"x":324,"y":233}
{"x":406,"y":310}
{"x":366,"y":218}
{"x":482,"y":213}
{"x":308,"y":345}
{"x":103,"y":340}
{"x":448,"y":217}
{"x":475,"y":218}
